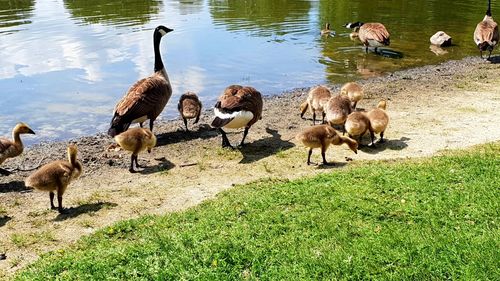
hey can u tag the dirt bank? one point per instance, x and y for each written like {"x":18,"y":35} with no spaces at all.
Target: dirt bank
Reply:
{"x":452,"y":105}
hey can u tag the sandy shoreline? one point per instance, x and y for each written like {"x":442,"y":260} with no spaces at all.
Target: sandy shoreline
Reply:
{"x":446,"y":106}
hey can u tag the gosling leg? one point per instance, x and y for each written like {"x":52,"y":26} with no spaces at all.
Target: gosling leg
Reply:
{"x":309,"y":156}
{"x":131,"y":169}
{"x":51,"y":196}
{"x":185,"y":124}
{"x":136,"y":163}
{"x":323,"y":151}
{"x":372,"y":136}
{"x":323,"y":118}
{"x":381,"y":140}
{"x":60,"y":191}
{"x":314,"y":117}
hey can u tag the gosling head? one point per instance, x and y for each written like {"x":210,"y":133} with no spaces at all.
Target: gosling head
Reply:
{"x":382,"y":104}
{"x":353,"y":145}
{"x":22,"y":128}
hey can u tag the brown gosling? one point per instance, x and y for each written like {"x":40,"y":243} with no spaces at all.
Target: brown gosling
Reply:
{"x":486,"y":34}
{"x":357,"y":124}
{"x":327,"y":30}
{"x":56,"y":176}
{"x":189,"y":107}
{"x":379,"y":119}
{"x":317,"y":99}
{"x":321,"y":136}
{"x":371,"y":34}
{"x":353,"y":91}
{"x":136,"y":140}
{"x":237,"y":107}
{"x":9,"y":148}
{"x":147,"y":97}
{"x":337,"y":110}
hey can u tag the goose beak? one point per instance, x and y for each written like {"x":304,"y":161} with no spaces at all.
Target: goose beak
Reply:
{"x":149,"y":150}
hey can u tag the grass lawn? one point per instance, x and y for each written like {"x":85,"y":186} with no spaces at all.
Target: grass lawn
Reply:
{"x":421,"y":219}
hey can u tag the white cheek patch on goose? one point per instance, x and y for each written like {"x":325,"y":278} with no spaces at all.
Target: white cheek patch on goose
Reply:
{"x":162,"y":32}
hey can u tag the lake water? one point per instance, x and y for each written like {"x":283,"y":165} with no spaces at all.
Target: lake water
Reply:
{"x":65,"y":64}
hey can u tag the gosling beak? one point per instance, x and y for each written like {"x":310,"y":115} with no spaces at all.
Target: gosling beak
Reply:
{"x":149,"y":150}
{"x":356,"y":152}
{"x":30,"y":131}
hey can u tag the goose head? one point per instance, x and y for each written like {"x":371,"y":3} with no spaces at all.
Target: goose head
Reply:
{"x":353,"y":24}
{"x":162,"y":30}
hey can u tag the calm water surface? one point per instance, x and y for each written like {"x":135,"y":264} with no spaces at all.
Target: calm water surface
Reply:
{"x":65,"y":64}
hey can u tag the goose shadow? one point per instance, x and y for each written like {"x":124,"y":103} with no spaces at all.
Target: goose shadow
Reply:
{"x":388,"y":53}
{"x":331,"y":165}
{"x":494,"y":60}
{"x":4,"y":220}
{"x":204,"y":131}
{"x":264,"y":147}
{"x":391,"y":144}
{"x":164,"y":165}
{"x":74,"y":212}
{"x":14,"y":186}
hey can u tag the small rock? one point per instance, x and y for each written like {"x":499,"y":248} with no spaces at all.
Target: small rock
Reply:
{"x":3,"y":256}
{"x":441,"y":39}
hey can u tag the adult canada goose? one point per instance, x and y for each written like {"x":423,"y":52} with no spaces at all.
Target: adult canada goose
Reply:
{"x":321,"y":136}
{"x":136,"y":140}
{"x":237,"y":107}
{"x":147,"y":97}
{"x":9,"y":148}
{"x":56,"y":176}
{"x":316,"y":101}
{"x":353,"y":91}
{"x":379,"y":119}
{"x":486,"y":34}
{"x":189,"y":107}
{"x":372,"y":34}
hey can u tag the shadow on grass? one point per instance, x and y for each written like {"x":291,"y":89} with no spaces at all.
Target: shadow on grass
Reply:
{"x":164,"y":165}
{"x":84,"y":209}
{"x":265,"y":147}
{"x":4,"y":220}
{"x":14,"y":186}
{"x":392,"y":144}
{"x":204,"y":131}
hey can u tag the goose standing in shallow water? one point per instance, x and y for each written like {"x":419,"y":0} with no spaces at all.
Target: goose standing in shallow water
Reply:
{"x":486,"y":35}
{"x":237,"y":107}
{"x":56,"y":176}
{"x":372,"y":34}
{"x":147,"y":97}
{"x":9,"y":149}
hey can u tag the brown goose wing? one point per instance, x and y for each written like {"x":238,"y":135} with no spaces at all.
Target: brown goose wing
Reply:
{"x":374,"y":31}
{"x":145,"y":97}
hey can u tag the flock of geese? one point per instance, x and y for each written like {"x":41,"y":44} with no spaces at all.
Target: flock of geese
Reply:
{"x":237,"y":107}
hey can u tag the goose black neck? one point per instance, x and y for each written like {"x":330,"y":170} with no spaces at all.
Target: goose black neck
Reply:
{"x":488,"y":12}
{"x":156,"y":45}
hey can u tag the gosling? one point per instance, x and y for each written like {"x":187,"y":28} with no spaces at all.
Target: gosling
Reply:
{"x":10,"y":149}
{"x":317,"y":99}
{"x":321,"y":136}
{"x":357,"y":124}
{"x":379,"y":119}
{"x":189,"y":107}
{"x":136,"y":140}
{"x":353,"y":91}
{"x":337,"y":110}
{"x":56,"y":176}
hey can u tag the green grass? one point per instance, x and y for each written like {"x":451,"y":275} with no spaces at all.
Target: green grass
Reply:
{"x":431,"y":219}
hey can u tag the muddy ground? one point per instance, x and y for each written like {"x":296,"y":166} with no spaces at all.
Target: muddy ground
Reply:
{"x":448,"y":106}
